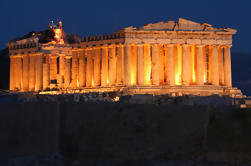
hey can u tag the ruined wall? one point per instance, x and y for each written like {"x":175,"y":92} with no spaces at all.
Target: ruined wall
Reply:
{"x":121,"y":131}
{"x":129,"y":131}
{"x":97,"y":131}
{"x":28,"y":129}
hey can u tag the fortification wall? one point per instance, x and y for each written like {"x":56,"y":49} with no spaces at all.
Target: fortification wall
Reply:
{"x":101,"y":131}
{"x":97,"y":130}
{"x":28,"y":129}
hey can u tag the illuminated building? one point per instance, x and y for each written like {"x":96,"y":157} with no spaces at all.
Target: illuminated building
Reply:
{"x":170,"y":57}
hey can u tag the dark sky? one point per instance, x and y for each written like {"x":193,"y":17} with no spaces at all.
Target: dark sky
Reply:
{"x":83,"y":17}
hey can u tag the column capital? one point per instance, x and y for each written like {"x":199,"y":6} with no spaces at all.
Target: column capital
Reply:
{"x":220,"y":46}
{"x":200,"y":45}
{"x":169,"y":45}
{"x":61,"y":54}
{"x":52,"y":56}
{"x":127,"y":44}
{"x":104,"y":46}
{"x":140,"y":45}
{"x":12,"y":56}
{"x":185,"y":45}
{"x":211,"y":45}
{"x":67,"y":57}
{"x":120,"y":45}
{"x":33,"y":54}
{"x":36,"y":54}
{"x":111,"y":46}
{"x":227,"y":46}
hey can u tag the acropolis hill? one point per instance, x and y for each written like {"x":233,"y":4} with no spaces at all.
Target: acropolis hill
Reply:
{"x":176,"y":58}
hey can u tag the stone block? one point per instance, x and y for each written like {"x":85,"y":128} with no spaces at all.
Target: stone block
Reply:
{"x":208,"y":42}
{"x":132,"y":40}
{"x":224,"y":42}
{"x":149,"y":41}
{"x":193,"y":41}
{"x":178,"y":41}
{"x":164,"y":41}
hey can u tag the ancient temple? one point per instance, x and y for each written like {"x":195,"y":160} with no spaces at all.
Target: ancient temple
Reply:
{"x":175,"y":58}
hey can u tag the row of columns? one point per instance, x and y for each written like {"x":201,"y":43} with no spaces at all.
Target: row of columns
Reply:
{"x":26,"y":72}
{"x":134,"y":64}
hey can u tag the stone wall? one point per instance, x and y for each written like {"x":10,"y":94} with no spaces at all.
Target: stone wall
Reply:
{"x":129,"y":131}
{"x":28,"y":129}
{"x":97,"y":131}
{"x":100,"y":132}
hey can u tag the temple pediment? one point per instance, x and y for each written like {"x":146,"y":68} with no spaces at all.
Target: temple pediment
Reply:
{"x":183,"y":25}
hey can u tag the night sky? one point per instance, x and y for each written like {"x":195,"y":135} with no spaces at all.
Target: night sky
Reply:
{"x":83,"y":17}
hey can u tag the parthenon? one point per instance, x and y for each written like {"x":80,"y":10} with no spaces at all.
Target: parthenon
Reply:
{"x":182,"y":57}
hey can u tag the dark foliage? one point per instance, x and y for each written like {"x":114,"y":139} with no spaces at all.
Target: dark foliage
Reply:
{"x":4,"y":69}
{"x":43,"y":36}
{"x":72,"y":38}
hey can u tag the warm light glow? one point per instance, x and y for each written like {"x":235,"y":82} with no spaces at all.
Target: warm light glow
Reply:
{"x":50,"y":93}
{"x":133,"y":78}
{"x":77,"y":83}
{"x":147,"y":65}
{"x":178,"y":71}
{"x":116,"y":99}
{"x":147,"y":78}
{"x":58,"y":36}
{"x":193,"y":65}
{"x":205,"y":68}
{"x":133,"y":64}
{"x":107,"y":81}
{"x":92,"y":82}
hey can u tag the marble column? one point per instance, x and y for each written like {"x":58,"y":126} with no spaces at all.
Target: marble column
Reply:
{"x":127,"y":64}
{"x":161,"y":64}
{"x":16,"y":73}
{"x":104,"y":67}
{"x":19,"y":72}
{"x":227,"y":66}
{"x":185,"y":66}
{"x":133,"y":64}
{"x":170,"y":65}
{"x":112,"y":65}
{"x":32,"y":74}
{"x":75,"y":64}
{"x":140,"y":65}
{"x":46,"y":73}
{"x":192,"y":65}
{"x":82,"y":74}
{"x":67,"y":75}
{"x":61,"y":70}
{"x":97,"y":71}
{"x":147,"y":64}
{"x":53,"y":67}
{"x":155,"y":64}
{"x":14,"y":63}
{"x":199,"y":65}
{"x":221,"y":65}
{"x":39,"y":70}
{"x":89,"y":68}
{"x":12,"y":69}
{"x":215,"y":66}
{"x":120,"y":64}
{"x":25,"y":72}
{"x":178,"y":64}
{"x":15,"y":66}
